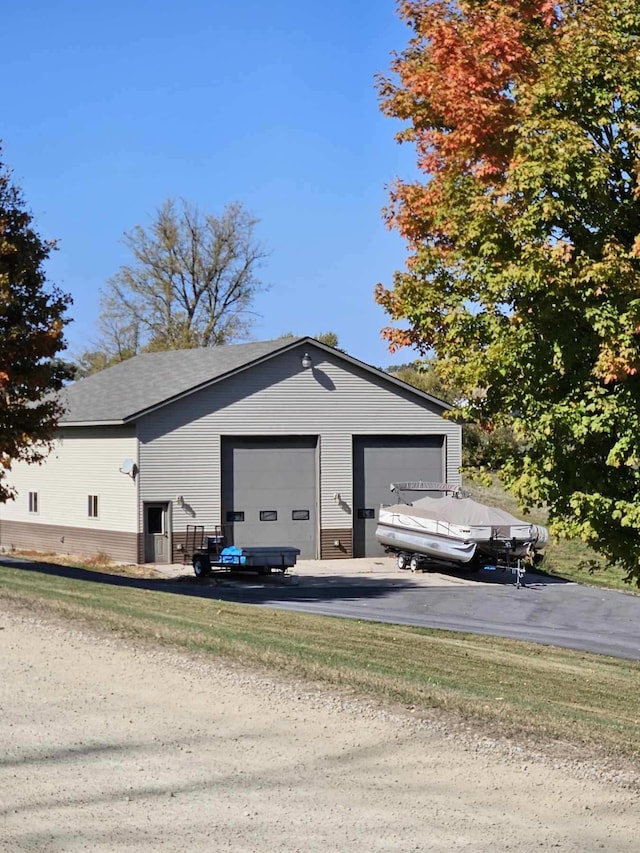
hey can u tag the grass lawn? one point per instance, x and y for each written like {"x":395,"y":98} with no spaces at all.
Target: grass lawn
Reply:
{"x":556,"y":699}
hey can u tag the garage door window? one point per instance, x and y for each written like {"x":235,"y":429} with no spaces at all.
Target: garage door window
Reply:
{"x":268,"y":515}
{"x":300,"y":515}
{"x":366,"y":513}
{"x":235,"y":516}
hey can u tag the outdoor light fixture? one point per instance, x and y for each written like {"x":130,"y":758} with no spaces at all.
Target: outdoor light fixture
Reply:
{"x":306,"y":360}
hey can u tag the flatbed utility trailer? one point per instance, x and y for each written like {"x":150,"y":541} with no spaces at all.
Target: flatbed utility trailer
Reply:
{"x":230,"y":558}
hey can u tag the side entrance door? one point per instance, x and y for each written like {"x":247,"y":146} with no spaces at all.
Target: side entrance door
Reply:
{"x":156,"y":533}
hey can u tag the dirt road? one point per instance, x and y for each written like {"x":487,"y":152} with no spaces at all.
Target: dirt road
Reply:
{"x":109,"y":747}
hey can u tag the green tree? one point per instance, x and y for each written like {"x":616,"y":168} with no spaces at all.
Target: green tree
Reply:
{"x":483,"y":450}
{"x":424,"y":375}
{"x":191,"y":283}
{"x":524,"y":275}
{"x":330,"y":339}
{"x":32,"y":320}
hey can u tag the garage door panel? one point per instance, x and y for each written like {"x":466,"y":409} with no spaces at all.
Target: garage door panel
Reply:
{"x":380,"y":461}
{"x":272,"y":482}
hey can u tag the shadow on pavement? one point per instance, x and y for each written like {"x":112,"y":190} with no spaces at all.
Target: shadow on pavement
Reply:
{"x":233,"y":586}
{"x":247,"y":587}
{"x":533,"y":579}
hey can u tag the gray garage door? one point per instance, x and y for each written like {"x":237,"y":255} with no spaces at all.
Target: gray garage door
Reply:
{"x":378,"y":462}
{"x":269,"y":492}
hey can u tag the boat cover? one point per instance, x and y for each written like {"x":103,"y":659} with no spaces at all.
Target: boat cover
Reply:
{"x":450,"y":528}
{"x":464,"y":512}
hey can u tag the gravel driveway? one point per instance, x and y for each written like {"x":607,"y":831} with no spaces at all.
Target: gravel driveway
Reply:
{"x":106,"y":746}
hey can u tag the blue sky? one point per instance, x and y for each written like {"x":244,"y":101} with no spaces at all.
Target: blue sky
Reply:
{"x":110,"y":109}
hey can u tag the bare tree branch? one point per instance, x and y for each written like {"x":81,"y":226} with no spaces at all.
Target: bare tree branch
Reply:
{"x":191,"y":282}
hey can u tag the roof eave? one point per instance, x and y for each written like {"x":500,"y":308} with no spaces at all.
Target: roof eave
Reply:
{"x":62,"y":423}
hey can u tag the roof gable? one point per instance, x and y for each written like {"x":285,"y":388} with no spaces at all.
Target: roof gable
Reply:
{"x":130,"y":389}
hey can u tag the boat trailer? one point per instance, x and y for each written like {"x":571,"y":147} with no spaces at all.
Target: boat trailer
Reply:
{"x":471,"y":542}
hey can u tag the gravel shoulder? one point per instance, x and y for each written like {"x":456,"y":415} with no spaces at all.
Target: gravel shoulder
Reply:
{"x":109,"y":746}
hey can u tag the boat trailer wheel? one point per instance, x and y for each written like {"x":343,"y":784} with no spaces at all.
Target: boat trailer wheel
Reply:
{"x":414,"y":564}
{"x":403,"y":562}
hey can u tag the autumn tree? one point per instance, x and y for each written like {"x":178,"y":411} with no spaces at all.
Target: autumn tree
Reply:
{"x":32,"y":320}
{"x":524,"y":236}
{"x":424,"y":376}
{"x":191,"y":282}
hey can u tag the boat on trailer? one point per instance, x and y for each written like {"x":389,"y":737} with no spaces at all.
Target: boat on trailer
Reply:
{"x":448,"y":527}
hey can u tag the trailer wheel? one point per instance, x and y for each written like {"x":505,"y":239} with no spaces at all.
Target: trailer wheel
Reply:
{"x":201,"y":566}
{"x":414,"y":564}
{"x":403,"y":562}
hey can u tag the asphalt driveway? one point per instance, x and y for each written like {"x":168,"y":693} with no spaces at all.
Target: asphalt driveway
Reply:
{"x":545,"y":610}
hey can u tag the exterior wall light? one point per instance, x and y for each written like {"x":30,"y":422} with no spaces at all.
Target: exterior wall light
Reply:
{"x":306,"y":360}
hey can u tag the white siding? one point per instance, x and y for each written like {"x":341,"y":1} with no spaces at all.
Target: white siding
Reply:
{"x":180,"y":443}
{"x":83,"y":462}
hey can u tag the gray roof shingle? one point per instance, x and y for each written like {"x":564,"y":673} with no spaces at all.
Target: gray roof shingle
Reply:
{"x":125,"y":390}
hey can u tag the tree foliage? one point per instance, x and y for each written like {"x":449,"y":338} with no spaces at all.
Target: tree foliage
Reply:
{"x":524,"y":237}
{"x":191,"y":283}
{"x":32,"y":320}
{"x":483,"y":451}
{"x":329,"y":338}
{"x":424,"y":376}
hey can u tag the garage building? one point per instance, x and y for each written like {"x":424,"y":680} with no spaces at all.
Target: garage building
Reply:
{"x":284,"y":442}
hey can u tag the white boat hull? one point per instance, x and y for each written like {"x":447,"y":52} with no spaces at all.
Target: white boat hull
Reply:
{"x":435,"y":547}
{"x":456,"y":531}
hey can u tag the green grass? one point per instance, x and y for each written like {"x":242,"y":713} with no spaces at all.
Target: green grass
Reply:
{"x":570,"y":559}
{"x":554,"y":696}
